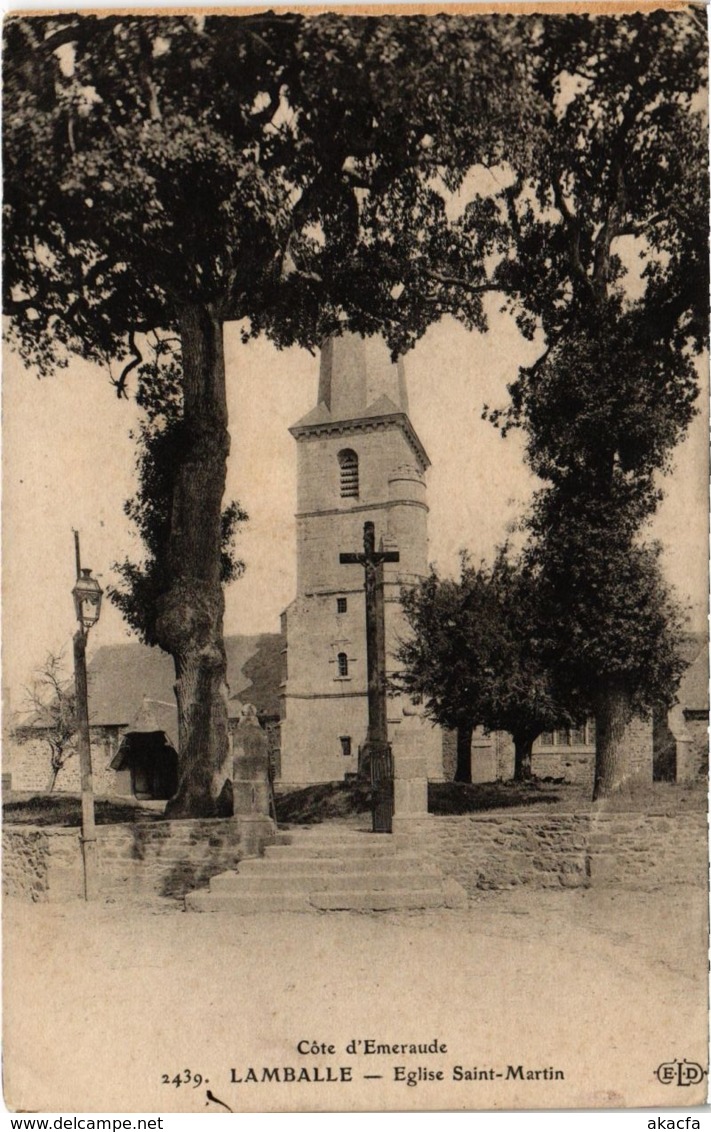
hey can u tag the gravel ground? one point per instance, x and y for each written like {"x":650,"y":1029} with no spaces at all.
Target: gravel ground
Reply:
{"x":599,"y":986}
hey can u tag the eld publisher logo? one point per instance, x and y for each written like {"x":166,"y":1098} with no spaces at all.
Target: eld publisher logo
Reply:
{"x":680,"y":1073}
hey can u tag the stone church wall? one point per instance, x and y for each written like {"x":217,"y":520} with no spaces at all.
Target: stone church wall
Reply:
{"x":361,"y":417}
{"x":493,"y":756}
{"x":639,"y":743}
{"x":577,"y":764}
{"x":681,"y":744}
{"x":696,"y":725}
{"x":310,"y":746}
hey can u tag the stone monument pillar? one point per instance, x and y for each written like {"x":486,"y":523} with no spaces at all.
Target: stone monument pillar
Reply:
{"x":250,"y":774}
{"x":410,"y":774}
{"x":685,"y":769}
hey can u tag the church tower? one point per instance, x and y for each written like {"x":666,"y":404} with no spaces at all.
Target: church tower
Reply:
{"x":358,"y":459}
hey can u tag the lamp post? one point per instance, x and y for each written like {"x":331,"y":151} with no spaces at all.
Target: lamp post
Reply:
{"x":87,"y":595}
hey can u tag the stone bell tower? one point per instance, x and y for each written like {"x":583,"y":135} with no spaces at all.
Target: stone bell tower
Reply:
{"x":358,"y":458}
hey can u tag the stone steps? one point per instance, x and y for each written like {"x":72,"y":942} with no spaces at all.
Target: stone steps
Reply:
{"x":204,"y":901}
{"x":323,"y":852}
{"x":369,"y":901}
{"x":283,"y":866}
{"x":317,"y":881}
{"x":330,"y":869}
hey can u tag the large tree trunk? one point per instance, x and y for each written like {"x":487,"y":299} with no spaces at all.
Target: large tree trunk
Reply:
{"x":612,"y":714}
{"x":189,"y":624}
{"x":523,"y":745}
{"x":463,"y":772}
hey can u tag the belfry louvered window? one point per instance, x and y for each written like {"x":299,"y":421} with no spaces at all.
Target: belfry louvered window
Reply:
{"x":348,"y":463}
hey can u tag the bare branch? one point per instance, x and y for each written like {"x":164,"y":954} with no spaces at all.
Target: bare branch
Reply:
{"x":472,"y":288}
{"x":610,"y":229}
{"x":572,"y":225}
{"x":120,"y":382}
{"x":509,"y":196}
{"x":641,"y":227}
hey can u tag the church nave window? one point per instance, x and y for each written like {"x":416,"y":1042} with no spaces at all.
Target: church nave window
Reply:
{"x":568,"y":736}
{"x":348,"y":464}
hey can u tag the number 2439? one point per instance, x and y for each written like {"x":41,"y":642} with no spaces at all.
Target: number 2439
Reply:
{"x":187,"y":1077}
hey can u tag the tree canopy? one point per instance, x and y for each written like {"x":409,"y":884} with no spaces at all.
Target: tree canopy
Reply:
{"x":612,"y":627}
{"x":602,"y":250}
{"x":611,"y":208}
{"x":257,"y":162}
{"x":474,"y":657}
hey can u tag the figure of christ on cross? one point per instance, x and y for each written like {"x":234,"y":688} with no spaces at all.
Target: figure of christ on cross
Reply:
{"x":372,"y":561}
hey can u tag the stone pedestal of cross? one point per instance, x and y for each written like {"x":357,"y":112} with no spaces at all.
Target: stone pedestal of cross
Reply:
{"x":375,"y":755}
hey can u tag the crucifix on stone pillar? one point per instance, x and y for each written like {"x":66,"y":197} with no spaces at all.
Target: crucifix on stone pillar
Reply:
{"x":372,"y":561}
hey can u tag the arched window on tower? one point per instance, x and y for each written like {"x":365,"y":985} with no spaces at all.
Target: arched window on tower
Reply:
{"x":348,"y":464}
{"x":342,"y":664}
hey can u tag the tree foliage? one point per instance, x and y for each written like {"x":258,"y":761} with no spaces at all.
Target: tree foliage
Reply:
{"x":612,"y":207}
{"x":161,"y":445}
{"x":474,"y":657}
{"x":258,"y":162}
{"x":600,"y":246}
{"x":609,"y":618}
{"x":602,"y":250}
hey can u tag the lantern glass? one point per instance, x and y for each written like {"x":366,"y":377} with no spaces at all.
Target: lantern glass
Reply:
{"x":87,"y":595}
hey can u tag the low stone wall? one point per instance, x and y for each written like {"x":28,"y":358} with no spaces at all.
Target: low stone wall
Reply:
{"x":25,"y":861}
{"x":138,"y":860}
{"x":569,"y":850}
{"x":637,"y":849}
{"x":167,"y":859}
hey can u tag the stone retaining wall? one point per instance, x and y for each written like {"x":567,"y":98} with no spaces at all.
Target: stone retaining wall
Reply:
{"x":572,"y":850}
{"x":138,"y":860}
{"x":145,"y":860}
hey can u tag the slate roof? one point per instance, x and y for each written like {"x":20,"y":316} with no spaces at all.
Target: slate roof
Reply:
{"x":156,"y":716}
{"x":382,"y":407}
{"x":122,"y":676}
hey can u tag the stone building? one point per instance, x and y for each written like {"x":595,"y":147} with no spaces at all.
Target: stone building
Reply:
{"x":681,"y":735}
{"x":133,"y":718}
{"x":567,"y":753}
{"x":358,"y":458}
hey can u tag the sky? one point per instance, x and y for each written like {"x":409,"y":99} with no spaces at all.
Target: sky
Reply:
{"x":68,"y":462}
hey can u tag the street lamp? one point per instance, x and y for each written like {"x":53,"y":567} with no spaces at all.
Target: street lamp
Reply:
{"x":87,"y":595}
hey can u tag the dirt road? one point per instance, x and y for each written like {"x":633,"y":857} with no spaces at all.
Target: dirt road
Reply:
{"x":528,"y":999}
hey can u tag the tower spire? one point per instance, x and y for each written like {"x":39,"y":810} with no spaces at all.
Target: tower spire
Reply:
{"x":356,"y":373}
{"x":360,"y":387}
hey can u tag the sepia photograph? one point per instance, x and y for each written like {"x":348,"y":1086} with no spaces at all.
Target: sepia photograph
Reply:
{"x":355,"y":555}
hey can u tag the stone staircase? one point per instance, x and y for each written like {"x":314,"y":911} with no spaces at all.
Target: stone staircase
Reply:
{"x":328,"y":869}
